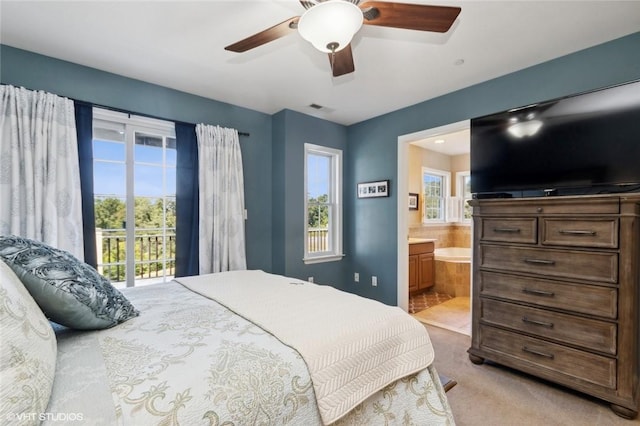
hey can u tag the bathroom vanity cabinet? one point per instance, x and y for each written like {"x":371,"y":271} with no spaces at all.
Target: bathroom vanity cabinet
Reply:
{"x":421,"y":266}
{"x":556,"y":291}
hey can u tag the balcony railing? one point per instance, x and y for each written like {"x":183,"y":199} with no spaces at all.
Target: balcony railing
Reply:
{"x":154,"y":253}
{"x":317,"y":239}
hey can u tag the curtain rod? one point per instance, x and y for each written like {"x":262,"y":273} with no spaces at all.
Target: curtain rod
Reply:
{"x":144,"y":115}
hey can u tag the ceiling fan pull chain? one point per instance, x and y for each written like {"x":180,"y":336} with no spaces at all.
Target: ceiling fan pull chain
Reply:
{"x":333,"y":58}
{"x":332,"y":46}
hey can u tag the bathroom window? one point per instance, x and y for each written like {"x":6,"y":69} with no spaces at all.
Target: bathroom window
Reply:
{"x":323,"y":204}
{"x":435,"y":191}
{"x":463,"y":192}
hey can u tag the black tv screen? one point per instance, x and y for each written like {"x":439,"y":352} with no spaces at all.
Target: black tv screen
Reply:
{"x":588,"y":143}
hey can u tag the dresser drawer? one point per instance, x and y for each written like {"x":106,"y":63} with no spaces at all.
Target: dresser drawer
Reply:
{"x":573,"y":330}
{"x":556,"y":359}
{"x":535,"y":206}
{"x":510,"y":230}
{"x":592,"y":266}
{"x":580,"y":233}
{"x":593,"y":300}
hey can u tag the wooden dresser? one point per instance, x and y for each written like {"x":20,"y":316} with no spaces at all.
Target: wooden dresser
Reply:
{"x":556,"y":291}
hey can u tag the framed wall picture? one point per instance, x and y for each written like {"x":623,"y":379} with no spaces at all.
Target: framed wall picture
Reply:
{"x":413,"y":201}
{"x":378,"y":188}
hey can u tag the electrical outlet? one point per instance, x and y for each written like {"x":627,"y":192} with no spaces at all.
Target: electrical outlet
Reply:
{"x":310,"y":279}
{"x":374,"y":281}
{"x":356,"y":277}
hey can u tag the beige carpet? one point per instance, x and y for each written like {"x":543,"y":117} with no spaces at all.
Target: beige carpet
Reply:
{"x":454,"y":315}
{"x":488,"y":394}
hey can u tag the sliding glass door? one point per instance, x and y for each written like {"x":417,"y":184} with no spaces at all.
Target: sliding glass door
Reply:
{"x":135,"y":198}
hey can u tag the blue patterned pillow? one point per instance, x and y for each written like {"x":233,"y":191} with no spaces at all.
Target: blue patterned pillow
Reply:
{"x":68,"y":291}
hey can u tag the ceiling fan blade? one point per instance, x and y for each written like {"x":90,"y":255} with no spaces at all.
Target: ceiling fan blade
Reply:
{"x":409,"y":16}
{"x":342,"y":61}
{"x":263,"y":37}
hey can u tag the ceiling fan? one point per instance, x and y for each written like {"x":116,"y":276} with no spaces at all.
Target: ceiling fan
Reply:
{"x":331,"y":24}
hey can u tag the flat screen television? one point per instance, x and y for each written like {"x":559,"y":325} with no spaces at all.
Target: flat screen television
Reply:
{"x":583,"y":144}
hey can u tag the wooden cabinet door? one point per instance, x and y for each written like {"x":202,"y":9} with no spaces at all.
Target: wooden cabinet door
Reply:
{"x":426,"y":271}
{"x":413,"y":273}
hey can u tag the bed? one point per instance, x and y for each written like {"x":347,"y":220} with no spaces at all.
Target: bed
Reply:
{"x":242,"y":348}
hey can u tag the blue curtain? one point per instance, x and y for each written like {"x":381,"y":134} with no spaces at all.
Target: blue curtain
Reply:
{"x":187,"y":216}
{"x":84,"y":130}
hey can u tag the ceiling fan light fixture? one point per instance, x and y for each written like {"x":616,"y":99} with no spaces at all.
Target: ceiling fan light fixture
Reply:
{"x":329,"y":26}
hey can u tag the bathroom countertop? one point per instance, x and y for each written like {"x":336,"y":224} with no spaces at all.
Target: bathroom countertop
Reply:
{"x":421,"y":240}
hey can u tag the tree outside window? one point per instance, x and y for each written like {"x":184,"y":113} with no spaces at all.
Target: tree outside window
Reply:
{"x":435,"y":190}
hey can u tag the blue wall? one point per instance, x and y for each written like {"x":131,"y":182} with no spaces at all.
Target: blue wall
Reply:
{"x":291,"y":130}
{"x":373,"y":144}
{"x":273,"y":154}
{"x":33,"y":71}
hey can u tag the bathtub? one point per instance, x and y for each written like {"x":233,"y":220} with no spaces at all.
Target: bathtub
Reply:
{"x":453,"y":254}
{"x":453,"y":271}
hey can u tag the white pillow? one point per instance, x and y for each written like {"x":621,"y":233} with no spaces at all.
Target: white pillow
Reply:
{"x":27,"y":353}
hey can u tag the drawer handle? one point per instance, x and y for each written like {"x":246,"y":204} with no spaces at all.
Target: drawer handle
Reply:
{"x":577,"y":232}
{"x":540,"y":261}
{"x":534,"y":352}
{"x":507,"y":230}
{"x":538,"y":292}
{"x":535,"y":322}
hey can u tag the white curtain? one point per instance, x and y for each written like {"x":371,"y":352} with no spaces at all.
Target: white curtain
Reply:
{"x":39,"y":176}
{"x":221,"y":206}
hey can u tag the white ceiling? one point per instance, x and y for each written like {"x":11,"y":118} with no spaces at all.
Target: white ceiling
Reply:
{"x":180,"y":44}
{"x":454,"y":143}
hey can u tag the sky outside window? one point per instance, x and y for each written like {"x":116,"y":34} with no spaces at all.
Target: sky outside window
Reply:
{"x":319,"y":173}
{"x":110,"y":172}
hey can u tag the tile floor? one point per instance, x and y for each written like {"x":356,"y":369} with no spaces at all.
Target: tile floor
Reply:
{"x":422,"y":301}
{"x":454,"y":315}
{"x":442,"y":310}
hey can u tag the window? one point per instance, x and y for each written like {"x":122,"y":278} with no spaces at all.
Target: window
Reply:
{"x":435,"y":191}
{"x":134,"y":171}
{"x":463,"y":192}
{"x":323,"y":204}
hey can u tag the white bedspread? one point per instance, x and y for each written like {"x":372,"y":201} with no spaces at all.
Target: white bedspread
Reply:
{"x":352,"y":350}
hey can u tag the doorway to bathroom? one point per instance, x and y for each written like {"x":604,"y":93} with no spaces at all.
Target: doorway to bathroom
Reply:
{"x":433,"y":169}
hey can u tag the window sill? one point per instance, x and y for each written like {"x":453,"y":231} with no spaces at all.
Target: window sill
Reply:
{"x":322,"y":259}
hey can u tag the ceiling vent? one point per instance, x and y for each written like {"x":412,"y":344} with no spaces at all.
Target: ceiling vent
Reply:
{"x":316,"y":106}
